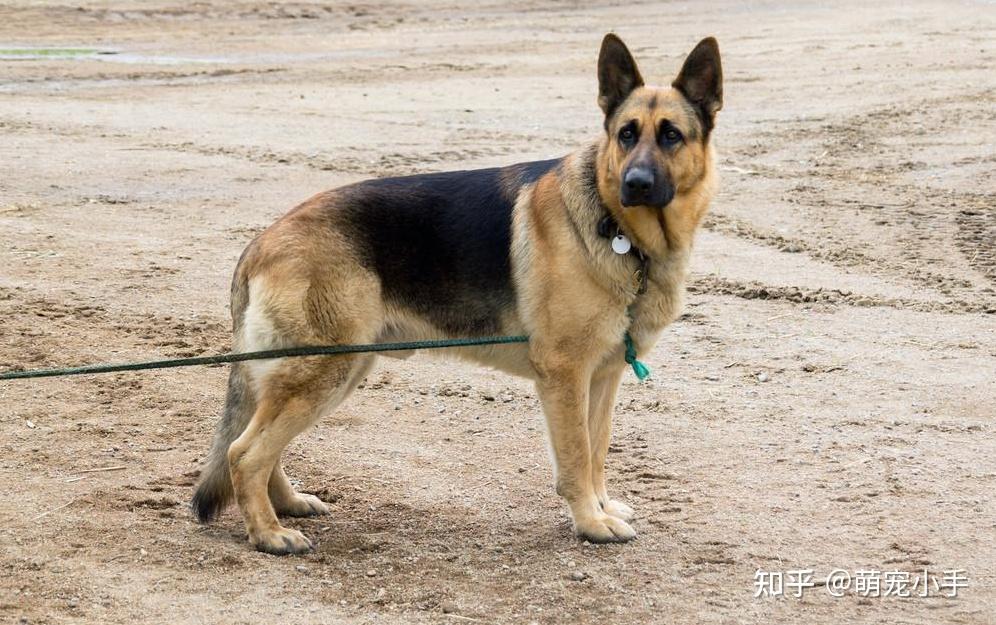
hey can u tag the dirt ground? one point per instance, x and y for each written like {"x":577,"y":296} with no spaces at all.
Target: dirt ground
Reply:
{"x":827,"y":401}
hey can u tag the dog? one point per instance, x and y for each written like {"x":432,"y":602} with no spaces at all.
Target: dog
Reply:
{"x":586,"y":254}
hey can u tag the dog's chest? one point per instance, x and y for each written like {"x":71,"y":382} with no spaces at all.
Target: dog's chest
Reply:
{"x":662,"y":302}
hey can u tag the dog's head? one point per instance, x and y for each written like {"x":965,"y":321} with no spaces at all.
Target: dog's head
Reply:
{"x":657,"y":138}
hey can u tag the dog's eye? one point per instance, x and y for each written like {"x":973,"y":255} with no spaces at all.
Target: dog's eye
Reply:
{"x":627,"y":135}
{"x":669,"y":134}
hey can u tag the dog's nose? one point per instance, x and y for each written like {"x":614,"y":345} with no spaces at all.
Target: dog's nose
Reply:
{"x":638,"y":186}
{"x":639,"y":180}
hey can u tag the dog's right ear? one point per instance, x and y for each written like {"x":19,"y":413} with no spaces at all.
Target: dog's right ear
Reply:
{"x":617,"y":74}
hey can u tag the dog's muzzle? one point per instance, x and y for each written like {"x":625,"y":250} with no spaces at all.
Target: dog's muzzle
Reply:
{"x":644,"y":186}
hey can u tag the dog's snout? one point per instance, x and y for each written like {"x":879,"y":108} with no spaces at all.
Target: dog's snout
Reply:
{"x":639,"y":180}
{"x":645,"y":184}
{"x":642,"y":186}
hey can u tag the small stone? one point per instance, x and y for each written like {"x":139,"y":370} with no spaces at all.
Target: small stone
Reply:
{"x":712,"y":377}
{"x":371,"y":572}
{"x":30,"y":423}
{"x":301,"y":568}
{"x":74,"y":601}
{"x":763,"y":377}
{"x":578,"y":576}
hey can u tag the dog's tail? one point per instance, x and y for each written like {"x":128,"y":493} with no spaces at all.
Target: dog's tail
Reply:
{"x":214,"y":490}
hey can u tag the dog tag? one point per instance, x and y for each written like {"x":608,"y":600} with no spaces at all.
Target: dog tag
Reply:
{"x":621,"y":244}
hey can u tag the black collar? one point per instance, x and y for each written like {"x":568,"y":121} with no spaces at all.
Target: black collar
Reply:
{"x":609,"y":229}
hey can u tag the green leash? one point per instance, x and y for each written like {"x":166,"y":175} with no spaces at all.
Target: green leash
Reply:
{"x":317,"y":350}
{"x":641,"y":370}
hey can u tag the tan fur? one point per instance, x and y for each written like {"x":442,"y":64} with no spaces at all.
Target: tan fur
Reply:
{"x":575,"y":299}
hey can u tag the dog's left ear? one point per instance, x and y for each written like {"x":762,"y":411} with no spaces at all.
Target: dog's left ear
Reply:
{"x":617,"y":74}
{"x":701,"y":80}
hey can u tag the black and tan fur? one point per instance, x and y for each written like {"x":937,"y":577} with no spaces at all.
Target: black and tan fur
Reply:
{"x":510,"y":251}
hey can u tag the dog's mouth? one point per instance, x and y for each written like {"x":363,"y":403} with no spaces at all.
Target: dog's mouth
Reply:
{"x":657,"y":199}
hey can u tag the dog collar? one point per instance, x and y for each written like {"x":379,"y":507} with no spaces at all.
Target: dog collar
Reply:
{"x":621,"y":244}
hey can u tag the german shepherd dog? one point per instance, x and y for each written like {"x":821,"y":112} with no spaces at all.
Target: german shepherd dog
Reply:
{"x":577,"y":253}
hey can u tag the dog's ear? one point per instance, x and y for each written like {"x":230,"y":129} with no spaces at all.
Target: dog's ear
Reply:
{"x":617,"y":74}
{"x":701,"y":80}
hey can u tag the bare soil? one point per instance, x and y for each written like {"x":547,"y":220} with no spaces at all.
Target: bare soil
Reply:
{"x":827,"y":401}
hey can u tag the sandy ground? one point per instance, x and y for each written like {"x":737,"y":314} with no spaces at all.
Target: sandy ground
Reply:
{"x":849,"y":263}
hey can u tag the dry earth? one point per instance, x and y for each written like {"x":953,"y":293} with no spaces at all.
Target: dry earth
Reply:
{"x":850,"y":261}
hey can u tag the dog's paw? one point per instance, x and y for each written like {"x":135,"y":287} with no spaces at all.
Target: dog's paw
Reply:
{"x":302,"y":505}
{"x":282,"y":542}
{"x":618,"y":509}
{"x":605,"y":528}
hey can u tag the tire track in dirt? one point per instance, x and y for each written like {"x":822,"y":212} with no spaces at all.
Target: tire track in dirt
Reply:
{"x":132,"y":79}
{"x":976,"y":236}
{"x":353,"y":162}
{"x":36,"y":328}
{"x":716,"y":285}
{"x":837,"y":253}
{"x":392,"y":163}
{"x":866,"y":187}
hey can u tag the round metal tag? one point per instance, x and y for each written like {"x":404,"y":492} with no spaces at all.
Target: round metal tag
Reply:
{"x":621,"y":244}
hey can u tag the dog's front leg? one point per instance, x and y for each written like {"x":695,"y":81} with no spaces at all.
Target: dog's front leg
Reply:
{"x":602,"y":399}
{"x":564,"y":389}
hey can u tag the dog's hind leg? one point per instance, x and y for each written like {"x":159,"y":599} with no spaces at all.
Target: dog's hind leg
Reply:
{"x":602,"y":399}
{"x":288,"y":502}
{"x":291,"y":397}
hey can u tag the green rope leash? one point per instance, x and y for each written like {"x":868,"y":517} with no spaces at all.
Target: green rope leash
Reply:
{"x":317,"y":350}
{"x":641,"y":370}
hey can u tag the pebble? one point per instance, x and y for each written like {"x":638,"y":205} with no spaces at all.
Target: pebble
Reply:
{"x":301,"y":568}
{"x":372,"y":573}
{"x":578,"y":576}
{"x":712,"y":377}
{"x":763,"y":377}
{"x":74,"y":601}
